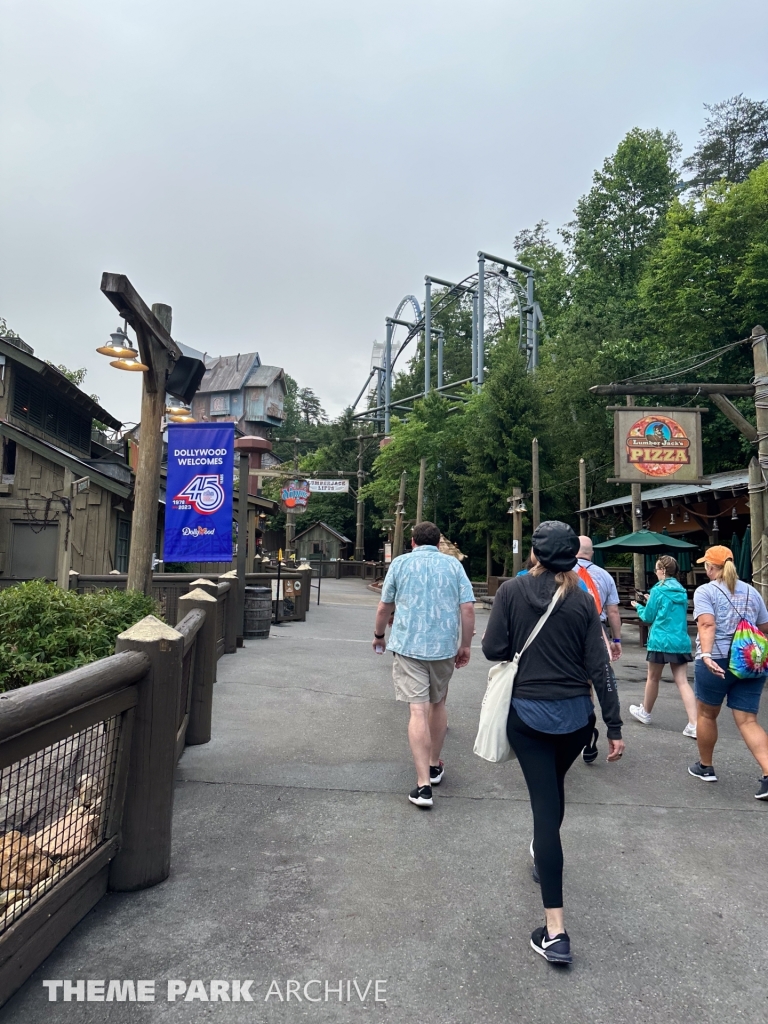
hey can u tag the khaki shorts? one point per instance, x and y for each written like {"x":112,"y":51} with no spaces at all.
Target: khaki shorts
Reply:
{"x":420,"y":681}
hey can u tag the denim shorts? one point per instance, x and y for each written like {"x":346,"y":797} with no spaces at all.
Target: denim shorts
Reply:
{"x":741,"y":694}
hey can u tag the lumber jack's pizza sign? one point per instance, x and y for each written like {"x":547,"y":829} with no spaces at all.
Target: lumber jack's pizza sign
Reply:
{"x":657,"y":444}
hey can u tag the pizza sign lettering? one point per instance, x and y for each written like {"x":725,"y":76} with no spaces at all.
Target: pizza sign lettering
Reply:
{"x":657,"y":444}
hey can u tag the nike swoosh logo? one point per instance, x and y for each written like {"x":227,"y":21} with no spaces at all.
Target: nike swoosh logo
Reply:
{"x":546,"y":943}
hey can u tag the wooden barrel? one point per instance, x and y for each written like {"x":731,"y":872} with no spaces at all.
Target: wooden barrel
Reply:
{"x":258,"y":611}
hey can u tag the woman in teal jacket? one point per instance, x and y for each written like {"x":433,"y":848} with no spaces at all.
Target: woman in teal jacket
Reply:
{"x":668,"y":642}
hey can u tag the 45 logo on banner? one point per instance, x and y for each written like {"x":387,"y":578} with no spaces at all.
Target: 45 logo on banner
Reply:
{"x":204,"y":492}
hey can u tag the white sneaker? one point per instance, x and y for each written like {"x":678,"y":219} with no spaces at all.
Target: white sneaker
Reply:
{"x":638,"y":711}
{"x":690,"y":730}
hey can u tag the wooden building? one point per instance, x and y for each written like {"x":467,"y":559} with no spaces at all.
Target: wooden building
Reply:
{"x":321,"y":540}
{"x":64,"y":496}
{"x":238,"y":389}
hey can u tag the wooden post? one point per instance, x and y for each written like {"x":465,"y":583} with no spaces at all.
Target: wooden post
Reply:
{"x":756,"y":500}
{"x":638,"y":561}
{"x":360,"y":524}
{"x":233,"y":597}
{"x":488,"y":558}
{"x":517,"y":531}
{"x":535,"y":481}
{"x":420,"y":496}
{"x":242,"y":531}
{"x":251,"y":552}
{"x":583,"y":523}
{"x":397,"y":543}
{"x":144,"y":858}
{"x":201,"y":683}
{"x":147,"y":488}
{"x":66,"y":533}
{"x":760,"y":359}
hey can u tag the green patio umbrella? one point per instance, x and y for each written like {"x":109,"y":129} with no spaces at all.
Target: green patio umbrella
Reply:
{"x":735,"y":547}
{"x":646,"y":542}
{"x":744,"y":562}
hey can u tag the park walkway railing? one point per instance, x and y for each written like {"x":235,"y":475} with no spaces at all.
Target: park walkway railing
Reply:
{"x":87,"y":766}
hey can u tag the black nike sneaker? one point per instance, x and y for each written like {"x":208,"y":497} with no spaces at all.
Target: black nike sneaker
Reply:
{"x":556,"y":950}
{"x":421,"y":796}
{"x":589,"y":753}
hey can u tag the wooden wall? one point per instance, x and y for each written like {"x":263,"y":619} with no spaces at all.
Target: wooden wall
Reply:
{"x":92,"y":533}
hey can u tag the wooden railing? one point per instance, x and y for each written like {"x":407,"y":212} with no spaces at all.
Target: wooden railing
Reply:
{"x":87,"y":765}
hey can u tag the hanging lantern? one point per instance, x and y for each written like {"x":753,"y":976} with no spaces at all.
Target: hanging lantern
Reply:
{"x":672,"y":519}
{"x":734,"y":514}
{"x":119,"y":346}
{"x":686,"y":517}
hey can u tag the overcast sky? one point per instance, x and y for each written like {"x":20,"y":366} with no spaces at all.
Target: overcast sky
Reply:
{"x":282,"y":174}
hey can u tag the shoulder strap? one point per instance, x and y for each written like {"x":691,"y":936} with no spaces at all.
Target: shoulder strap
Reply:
{"x":537,"y":628}
{"x":727,"y":596}
{"x":584,"y":575}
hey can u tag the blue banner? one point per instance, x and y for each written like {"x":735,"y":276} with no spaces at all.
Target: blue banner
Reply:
{"x":198,"y":501}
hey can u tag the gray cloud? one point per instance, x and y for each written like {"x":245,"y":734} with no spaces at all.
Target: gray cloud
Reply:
{"x":283,"y":174}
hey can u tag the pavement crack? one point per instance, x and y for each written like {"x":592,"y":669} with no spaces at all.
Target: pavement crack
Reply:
{"x":522,"y":799}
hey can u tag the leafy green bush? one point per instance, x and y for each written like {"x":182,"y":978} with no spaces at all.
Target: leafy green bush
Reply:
{"x":45,"y":630}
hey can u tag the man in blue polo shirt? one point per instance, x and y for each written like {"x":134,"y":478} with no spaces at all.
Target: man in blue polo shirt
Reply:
{"x":434,"y":618}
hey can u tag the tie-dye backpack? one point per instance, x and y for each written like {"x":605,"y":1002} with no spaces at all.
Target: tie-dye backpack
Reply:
{"x":748,"y":656}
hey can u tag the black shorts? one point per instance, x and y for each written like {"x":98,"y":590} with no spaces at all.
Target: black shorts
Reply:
{"x":665,"y":658}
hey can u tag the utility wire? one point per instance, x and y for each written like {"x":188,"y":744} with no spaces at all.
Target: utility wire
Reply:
{"x":686,"y":365}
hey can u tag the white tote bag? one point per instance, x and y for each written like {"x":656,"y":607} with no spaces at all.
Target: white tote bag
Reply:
{"x":492,"y":743}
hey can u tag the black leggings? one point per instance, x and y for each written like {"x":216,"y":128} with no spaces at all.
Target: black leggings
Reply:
{"x":545,"y":759}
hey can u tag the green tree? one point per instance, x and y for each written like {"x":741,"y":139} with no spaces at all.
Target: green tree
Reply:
{"x":310,"y":407}
{"x":499,"y":424}
{"x":707,"y":286}
{"x":5,"y":330}
{"x":732,"y":143}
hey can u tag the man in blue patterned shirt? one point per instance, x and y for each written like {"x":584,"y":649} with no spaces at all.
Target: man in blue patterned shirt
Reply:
{"x":434,"y":618}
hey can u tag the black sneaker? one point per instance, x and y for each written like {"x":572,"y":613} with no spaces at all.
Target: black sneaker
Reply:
{"x":421,"y":796}
{"x":762,"y":793}
{"x":556,"y":950}
{"x":704,"y":772}
{"x":436,"y":773}
{"x":589,"y":753}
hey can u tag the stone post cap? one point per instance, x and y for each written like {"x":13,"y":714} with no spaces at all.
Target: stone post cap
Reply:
{"x":197,"y":595}
{"x":150,"y":628}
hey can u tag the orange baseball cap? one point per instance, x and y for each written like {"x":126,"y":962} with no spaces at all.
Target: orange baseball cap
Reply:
{"x":718,"y":555}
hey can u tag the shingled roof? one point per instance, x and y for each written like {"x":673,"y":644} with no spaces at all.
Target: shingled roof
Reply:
{"x":229,"y":373}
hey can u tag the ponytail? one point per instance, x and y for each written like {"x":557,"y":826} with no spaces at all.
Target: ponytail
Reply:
{"x":729,"y":575}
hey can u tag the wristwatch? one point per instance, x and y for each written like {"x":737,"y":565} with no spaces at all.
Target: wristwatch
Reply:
{"x":616,"y":640}
{"x":379,"y":636}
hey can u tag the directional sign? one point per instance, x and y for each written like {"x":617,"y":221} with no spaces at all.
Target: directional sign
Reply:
{"x":329,"y":486}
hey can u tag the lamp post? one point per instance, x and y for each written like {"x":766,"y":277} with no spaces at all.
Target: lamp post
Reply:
{"x":516,"y":509}
{"x":157,"y":357}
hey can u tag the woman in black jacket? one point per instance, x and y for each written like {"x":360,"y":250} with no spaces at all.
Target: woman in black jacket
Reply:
{"x":551,"y":715}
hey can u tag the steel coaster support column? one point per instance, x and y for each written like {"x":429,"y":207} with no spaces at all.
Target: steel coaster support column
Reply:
{"x":532,"y":340}
{"x":480,"y":316}
{"x":440,"y":340}
{"x":388,"y":377}
{"x":427,"y":334}
{"x":474,"y":341}
{"x":379,"y":394}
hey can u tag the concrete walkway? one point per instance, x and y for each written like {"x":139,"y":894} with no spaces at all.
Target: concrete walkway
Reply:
{"x":298,"y":857}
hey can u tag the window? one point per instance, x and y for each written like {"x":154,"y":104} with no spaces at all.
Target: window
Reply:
{"x":317,"y":548}
{"x":46,"y":411}
{"x":123,"y":546}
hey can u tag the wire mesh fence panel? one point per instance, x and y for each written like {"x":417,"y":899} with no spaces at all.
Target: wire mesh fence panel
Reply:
{"x":54,"y":812}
